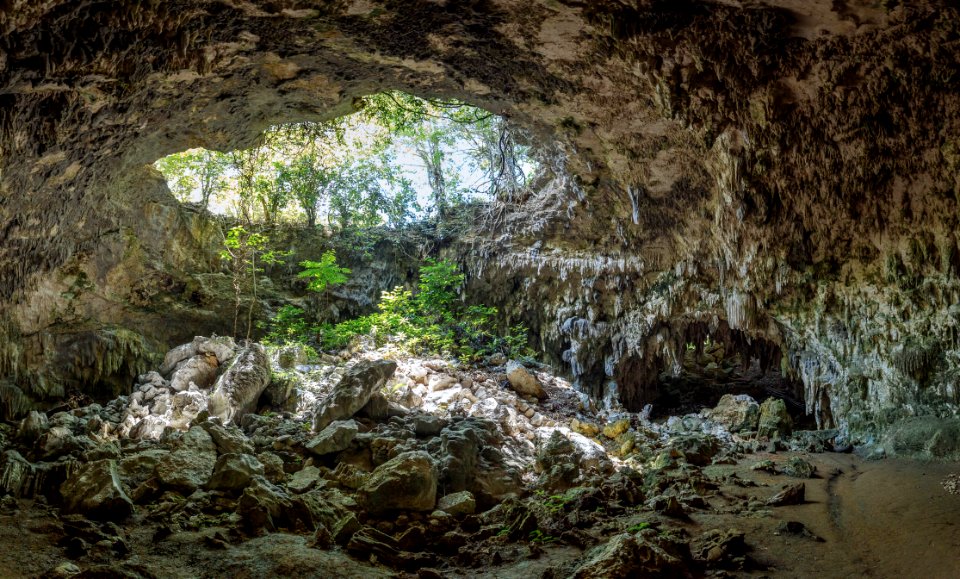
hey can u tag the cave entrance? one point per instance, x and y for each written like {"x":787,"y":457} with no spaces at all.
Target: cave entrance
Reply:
{"x":705,"y":364}
{"x":396,"y":159}
{"x":316,"y":224}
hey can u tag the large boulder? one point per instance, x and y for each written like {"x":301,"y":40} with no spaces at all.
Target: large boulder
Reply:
{"x":353,"y":391}
{"x":94,"y":490}
{"x":775,"y":421}
{"x":628,"y":556}
{"x":199,"y":370}
{"x":406,"y":482}
{"x":227,"y":439}
{"x":470,"y":459}
{"x":190,"y":466}
{"x":238,"y":389}
{"x":234,"y":472}
{"x":523,"y":381}
{"x":738,"y":413}
{"x":334,"y":438}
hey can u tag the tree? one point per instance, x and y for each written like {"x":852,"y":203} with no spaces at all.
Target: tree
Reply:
{"x":323,"y":273}
{"x":195,"y":171}
{"x":308,"y":182}
{"x":245,"y":251}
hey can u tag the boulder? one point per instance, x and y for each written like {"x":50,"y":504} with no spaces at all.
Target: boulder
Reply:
{"x":697,"y":449}
{"x":223,"y":347}
{"x":584,"y":428}
{"x":94,"y":490}
{"x":428,"y":425}
{"x":790,"y":495}
{"x":238,"y":389}
{"x":628,"y":556}
{"x":470,"y":459}
{"x":523,"y":381}
{"x":190,"y":466}
{"x":439,"y":382}
{"x":775,"y":421}
{"x":616,"y":428}
{"x":234,"y":471}
{"x":461,"y":503}
{"x":33,"y":426}
{"x":303,"y":480}
{"x":200,"y":370}
{"x":263,"y":506}
{"x":177,"y":355}
{"x":719,"y":546}
{"x":334,"y":438}
{"x":737,"y":413}
{"x":136,"y":469}
{"x":228,"y":439}
{"x":799,"y":468}
{"x":353,"y":391}
{"x":406,"y":482}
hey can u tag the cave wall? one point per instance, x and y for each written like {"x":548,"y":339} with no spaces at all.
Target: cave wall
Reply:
{"x":788,"y":168}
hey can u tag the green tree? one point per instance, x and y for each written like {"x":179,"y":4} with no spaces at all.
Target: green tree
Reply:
{"x":195,"y":171}
{"x":323,"y":273}
{"x":245,"y":252}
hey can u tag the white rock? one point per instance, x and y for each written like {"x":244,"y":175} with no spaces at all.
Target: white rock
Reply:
{"x":441,"y":382}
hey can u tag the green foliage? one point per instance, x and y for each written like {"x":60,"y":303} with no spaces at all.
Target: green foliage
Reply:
{"x":359,"y":170}
{"x":638,"y":527}
{"x":538,"y":536}
{"x":289,"y":326}
{"x":323,"y":273}
{"x":245,"y":252}
{"x":432,"y":319}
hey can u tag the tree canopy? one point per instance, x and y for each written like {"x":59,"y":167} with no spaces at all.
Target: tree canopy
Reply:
{"x":399,"y":157}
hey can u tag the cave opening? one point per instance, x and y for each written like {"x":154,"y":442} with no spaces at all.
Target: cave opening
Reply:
{"x":708,"y":362}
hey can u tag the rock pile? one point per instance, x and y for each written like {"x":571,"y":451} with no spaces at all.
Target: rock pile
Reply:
{"x":420,"y":463}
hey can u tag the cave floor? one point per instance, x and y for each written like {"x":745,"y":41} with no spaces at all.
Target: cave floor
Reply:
{"x":889,"y":518}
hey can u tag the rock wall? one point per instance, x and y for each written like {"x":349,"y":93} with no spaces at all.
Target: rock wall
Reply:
{"x":787,"y":169}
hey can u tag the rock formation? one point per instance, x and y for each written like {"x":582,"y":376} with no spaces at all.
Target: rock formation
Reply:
{"x":782,"y":174}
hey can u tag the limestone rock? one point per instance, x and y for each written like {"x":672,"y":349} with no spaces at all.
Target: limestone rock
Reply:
{"x":177,"y":355}
{"x":407,"y":482}
{"x":190,"y":466}
{"x":263,"y":506}
{"x":584,"y":428}
{"x":790,"y":495}
{"x":234,"y":471}
{"x":200,"y":370}
{"x":94,"y":490}
{"x":738,"y":413}
{"x":33,"y":426}
{"x":353,"y":391}
{"x":428,"y":425}
{"x":716,"y":546}
{"x":238,"y":389}
{"x":775,"y":421}
{"x":304,"y":479}
{"x":523,"y":381}
{"x":627,"y":556}
{"x":334,"y":438}
{"x":461,"y":503}
{"x":16,"y":474}
{"x":228,"y":439}
{"x":799,"y":468}
{"x":222,"y":347}
{"x":697,"y":449}
{"x":616,"y":428}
